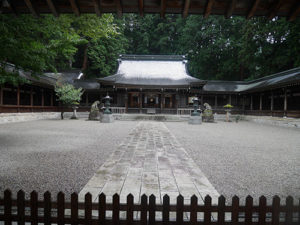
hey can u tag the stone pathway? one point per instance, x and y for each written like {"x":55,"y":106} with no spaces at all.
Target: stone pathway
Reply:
{"x":150,"y":161}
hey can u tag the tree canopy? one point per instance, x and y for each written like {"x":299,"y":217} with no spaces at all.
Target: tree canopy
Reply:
{"x":217,"y":48}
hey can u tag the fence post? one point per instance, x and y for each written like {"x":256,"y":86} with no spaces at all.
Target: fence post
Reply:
{"x":289,"y":211}
{"x":74,"y":208}
{"x":179,"y":210}
{"x":47,"y":208}
{"x":34,"y":207}
{"x":88,"y":208}
{"x":299,"y":212}
{"x":60,"y":208}
{"x":235,"y":210}
{"x":116,"y":209}
{"x":152,"y":205}
{"x":248,"y":210}
{"x":221,"y":210}
{"x":193,"y":209}
{"x":7,"y":207}
{"x":275,"y":210}
{"x":144,"y":201}
{"x":262,"y":210}
{"x":129,"y":212}
{"x":166,"y":210}
{"x":102,"y":208}
{"x":207,"y":210}
{"x":21,"y":207}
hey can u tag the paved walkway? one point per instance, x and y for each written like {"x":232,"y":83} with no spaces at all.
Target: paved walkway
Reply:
{"x":150,"y":161}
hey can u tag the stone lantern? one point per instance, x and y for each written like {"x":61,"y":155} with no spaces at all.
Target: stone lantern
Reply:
{"x":196,"y":117}
{"x":107,"y":114}
{"x":107,"y":100}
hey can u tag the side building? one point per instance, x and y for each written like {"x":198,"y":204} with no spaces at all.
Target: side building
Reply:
{"x":159,"y":84}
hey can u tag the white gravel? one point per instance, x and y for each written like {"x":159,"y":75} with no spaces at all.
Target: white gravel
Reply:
{"x":238,"y":158}
{"x":244,"y":158}
{"x":55,"y":155}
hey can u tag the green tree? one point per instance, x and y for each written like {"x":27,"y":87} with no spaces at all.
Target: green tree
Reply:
{"x":68,"y":95}
{"x":48,"y":43}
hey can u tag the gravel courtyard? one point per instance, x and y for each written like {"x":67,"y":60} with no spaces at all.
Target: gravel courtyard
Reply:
{"x":244,"y":158}
{"x":237,"y":158}
{"x":55,"y":155}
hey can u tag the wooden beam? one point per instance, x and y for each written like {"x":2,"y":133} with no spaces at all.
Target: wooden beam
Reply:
{"x":119,"y":8}
{"x":163,"y":8}
{"x":141,"y":7}
{"x":1,"y":95}
{"x":186,"y":8}
{"x":275,"y":9}
{"x":97,"y":7}
{"x":253,"y":9}
{"x":230,"y":9}
{"x":52,"y":8}
{"x":9,"y":5}
{"x":31,"y":8}
{"x":208,"y":8}
{"x":75,"y":7}
{"x":294,"y":13}
{"x":13,"y":9}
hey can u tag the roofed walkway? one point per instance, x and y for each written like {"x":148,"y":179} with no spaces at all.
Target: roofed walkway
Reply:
{"x":150,"y":161}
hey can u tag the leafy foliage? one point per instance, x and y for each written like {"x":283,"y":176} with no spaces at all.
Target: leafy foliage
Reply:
{"x":217,"y":48}
{"x":67,"y":94}
{"x":48,"y":43}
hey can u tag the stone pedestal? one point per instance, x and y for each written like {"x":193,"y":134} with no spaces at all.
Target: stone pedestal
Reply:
{"x":74,"y":116}
{"x":195,"y":120}
{"x":94,"y":115}
{"x":107,"y":118}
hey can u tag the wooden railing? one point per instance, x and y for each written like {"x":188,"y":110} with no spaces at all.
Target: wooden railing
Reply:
{"x":184,"y":111}
{"x":147,"y":212}
{"x":25,"y":108}
{"x":118,"y":110}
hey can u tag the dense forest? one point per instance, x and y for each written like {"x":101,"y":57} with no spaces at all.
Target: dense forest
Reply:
{"x":217,"y":48}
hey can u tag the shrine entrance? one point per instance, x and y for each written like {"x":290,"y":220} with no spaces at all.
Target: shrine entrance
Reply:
{"x":151,"y":100}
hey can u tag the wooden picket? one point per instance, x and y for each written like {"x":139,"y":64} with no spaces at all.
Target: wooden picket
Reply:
{"x":47,"y":211}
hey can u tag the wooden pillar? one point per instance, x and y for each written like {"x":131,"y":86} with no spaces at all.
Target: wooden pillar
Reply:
{"x":162,"y":101}
{"x":1,"y":95}
{"x":216,"y":101}
{"x":126,"y":102}
{"x":260,"y":102}
{"x":1,"y":98}
{"x":31,"y":99}
{"x":43,"y":97}
{"x":51,"y":98}
{"x":141,"y":102}
{"x":202,"y":99}
{"x":285,"y":102}
{"x":18,"y":96}
{"x":86,"y":99}
{"x":243,"y":102}
{"x":251,"y":103}
{"x":272,"y":102}
{"x":230,"y":99}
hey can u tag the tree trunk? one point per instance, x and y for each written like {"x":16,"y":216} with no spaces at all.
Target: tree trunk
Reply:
{"x":85,"y":58}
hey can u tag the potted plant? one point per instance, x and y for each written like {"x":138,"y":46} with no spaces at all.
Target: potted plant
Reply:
{"x":228,"y":109}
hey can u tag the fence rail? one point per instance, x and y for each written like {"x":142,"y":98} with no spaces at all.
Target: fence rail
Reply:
{"x":147,"y":212}
{"x":118,"y":110}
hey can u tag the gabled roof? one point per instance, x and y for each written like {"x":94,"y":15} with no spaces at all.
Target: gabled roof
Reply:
{"x":275,"y":80}
{"x":152,"y":70}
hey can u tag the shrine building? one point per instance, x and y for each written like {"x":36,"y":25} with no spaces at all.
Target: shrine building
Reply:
{"x":158,"y":84}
